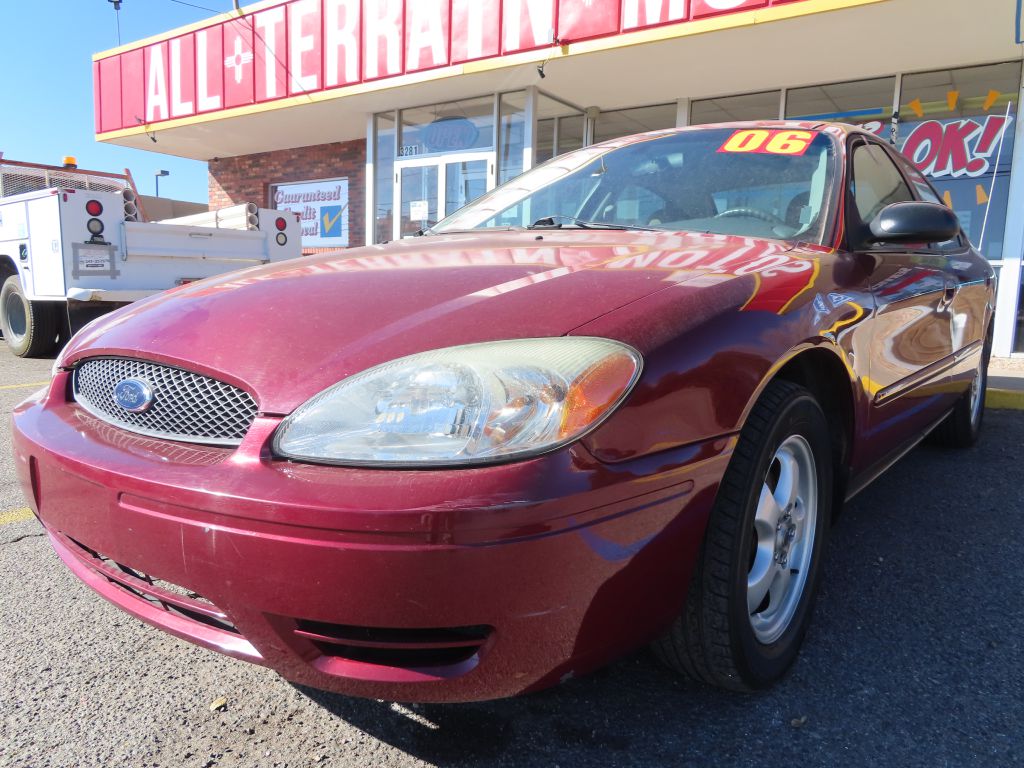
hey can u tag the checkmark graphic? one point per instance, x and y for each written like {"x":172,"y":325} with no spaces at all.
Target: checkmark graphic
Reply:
{"x":331,"y":220}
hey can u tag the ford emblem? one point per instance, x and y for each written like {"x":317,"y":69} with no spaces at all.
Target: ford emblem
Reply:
{"x":134,"y":395}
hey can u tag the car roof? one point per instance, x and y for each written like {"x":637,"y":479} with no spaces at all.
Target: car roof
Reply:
{"x":801,"y":125}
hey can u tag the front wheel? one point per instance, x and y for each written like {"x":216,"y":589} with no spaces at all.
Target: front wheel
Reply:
{"x":30,"y":327}
{"x":750,"y":599}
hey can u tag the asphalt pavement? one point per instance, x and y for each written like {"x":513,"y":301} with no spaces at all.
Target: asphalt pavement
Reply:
{"x":915,"y":658}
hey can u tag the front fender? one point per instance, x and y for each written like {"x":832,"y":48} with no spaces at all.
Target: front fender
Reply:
{"x":709,"y":354}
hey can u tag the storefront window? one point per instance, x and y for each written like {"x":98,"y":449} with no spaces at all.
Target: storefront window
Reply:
{"x":855,"y":102}
{"x":957,"y":128}
{"x":625,"y":122}
{"x":383,"y":177}
{"x":512,"y":137}
{"x":749,"y":106}
{"x":559,"y":128}
{"x":570,"y":133}
{"x":457,"y":126}
{"x":545,"y":139}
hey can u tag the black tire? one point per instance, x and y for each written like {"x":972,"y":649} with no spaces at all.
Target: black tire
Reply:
{"x":30,"y":327}
{"x":713,"y":640}
{"x":962,"y":428}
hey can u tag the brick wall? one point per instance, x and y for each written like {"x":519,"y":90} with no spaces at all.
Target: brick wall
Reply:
{"x":240,"y":179}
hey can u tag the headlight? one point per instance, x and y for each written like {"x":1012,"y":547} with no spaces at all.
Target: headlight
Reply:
{"x":475,"y":404}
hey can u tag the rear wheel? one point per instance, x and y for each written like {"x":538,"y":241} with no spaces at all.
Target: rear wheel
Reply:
{"x":30,"y":327}
{"x":750,"y":599}
{"x":962,"y":427}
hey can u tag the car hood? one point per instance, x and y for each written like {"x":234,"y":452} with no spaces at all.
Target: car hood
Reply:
{"x":289,"y":330}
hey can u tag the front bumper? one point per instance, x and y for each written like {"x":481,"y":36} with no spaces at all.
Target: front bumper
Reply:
{"x":411,"y":586}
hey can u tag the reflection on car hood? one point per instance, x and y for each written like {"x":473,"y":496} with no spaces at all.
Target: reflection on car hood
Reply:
{"x":288,"y":330}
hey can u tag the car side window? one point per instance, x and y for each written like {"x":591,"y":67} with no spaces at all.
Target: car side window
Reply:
{"x":924,"y":189}
{"x":875,"y":182}
{"x":929,"y":195}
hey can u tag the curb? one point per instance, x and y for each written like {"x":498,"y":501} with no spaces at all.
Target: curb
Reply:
{"x":1004,"y":399}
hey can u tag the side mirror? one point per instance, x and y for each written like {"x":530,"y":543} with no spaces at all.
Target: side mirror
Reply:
{"x":914,"y":222}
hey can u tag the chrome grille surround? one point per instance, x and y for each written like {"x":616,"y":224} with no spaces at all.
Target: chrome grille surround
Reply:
{"x":187,"y":406}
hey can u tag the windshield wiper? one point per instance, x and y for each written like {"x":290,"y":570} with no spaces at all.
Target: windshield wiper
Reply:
{"x":556,"y":222}
{"x":468,"y":230}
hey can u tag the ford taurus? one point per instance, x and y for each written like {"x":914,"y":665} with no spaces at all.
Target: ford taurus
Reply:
{"x":616,"y":401}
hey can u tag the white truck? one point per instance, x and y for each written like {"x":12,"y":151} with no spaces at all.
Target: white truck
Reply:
{"x":72,"y":246}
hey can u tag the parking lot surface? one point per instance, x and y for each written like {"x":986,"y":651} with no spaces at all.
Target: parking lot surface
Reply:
{"x":915,"y":657}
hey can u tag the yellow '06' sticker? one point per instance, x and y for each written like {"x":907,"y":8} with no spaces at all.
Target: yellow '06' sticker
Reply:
{"x":764,"y":141}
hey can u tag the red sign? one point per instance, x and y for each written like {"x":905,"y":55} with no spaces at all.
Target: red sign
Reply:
{"x":476,"y":29}
{"x":761,"y":141}
{"x":956,"y":148}
{"x":637,"y":14}
{"x":702,"y":8}
{"x":305,"y":46}
{"x":579,"y":21}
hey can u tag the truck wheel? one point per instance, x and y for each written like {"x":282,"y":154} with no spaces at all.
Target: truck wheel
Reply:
{"x":30,"y":327}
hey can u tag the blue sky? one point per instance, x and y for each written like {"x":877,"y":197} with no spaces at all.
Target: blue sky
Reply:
{"x":46,"y":85}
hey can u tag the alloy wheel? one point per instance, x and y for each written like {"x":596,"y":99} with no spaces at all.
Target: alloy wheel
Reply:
{"x":783,"y":541}
{"x":977,"y":394}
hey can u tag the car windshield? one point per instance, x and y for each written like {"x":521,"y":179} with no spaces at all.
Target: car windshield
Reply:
{"x":751,"y":182}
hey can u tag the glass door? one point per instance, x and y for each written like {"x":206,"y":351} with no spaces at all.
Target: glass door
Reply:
{"x":429,"y":189}
{"x":419,"y":197}
{"x":464,"y":182}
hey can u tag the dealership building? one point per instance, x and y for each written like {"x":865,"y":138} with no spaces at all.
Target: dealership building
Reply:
{"x":375,"y":118}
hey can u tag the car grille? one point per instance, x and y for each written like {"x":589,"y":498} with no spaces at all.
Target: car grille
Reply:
{"x":186,"y":406}
{"x":172,"y":598}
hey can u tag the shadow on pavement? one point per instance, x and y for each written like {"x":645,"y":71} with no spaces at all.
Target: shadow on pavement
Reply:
{"x":913,"y":657}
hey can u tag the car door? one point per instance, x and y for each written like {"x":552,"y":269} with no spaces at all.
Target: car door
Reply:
{"x":969,"y":311}
{"x":911,"y":340}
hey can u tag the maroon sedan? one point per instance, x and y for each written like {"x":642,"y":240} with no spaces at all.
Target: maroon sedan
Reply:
{"x":617,"y":401}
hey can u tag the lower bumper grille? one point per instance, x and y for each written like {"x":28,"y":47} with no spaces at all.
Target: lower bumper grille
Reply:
{"x":404,"y":648}
{"x":384,"y":654}
{"x":163,"y":594}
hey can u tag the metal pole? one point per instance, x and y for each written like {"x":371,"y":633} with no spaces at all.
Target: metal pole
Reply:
{"x":591,"y":115}
{"x":995,"y":170}
{"x":117,"y":17}
{"x":1008,"y":288}
{"x":682,"y":113}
